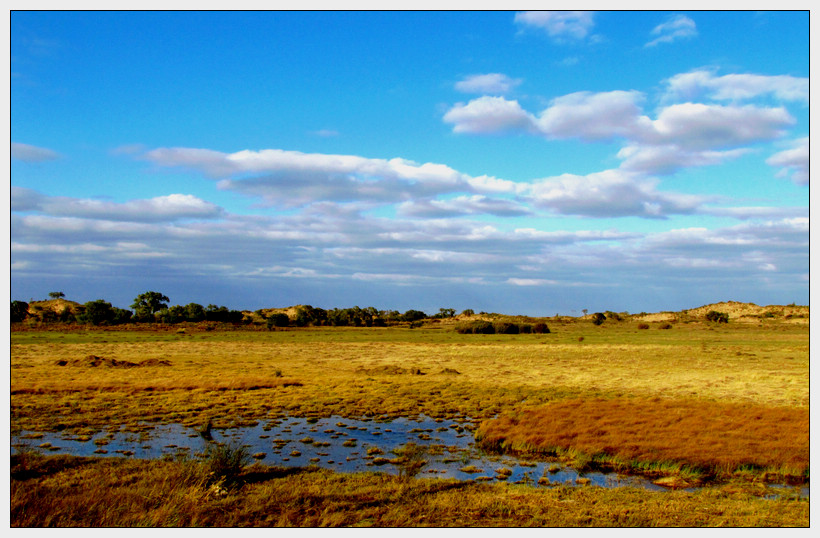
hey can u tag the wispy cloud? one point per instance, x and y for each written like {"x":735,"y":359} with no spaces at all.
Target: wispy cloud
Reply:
{"x":675,"y":28}
{"x":490,"y":83}
{"x":736,"y":86}
{"x":160,"y":209}
{"x":559,"y":25}
{"x":32,"y":154}
{"x":793,"y":162}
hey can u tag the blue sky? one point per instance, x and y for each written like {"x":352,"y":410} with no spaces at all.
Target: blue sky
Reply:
{"x":516,"y":162}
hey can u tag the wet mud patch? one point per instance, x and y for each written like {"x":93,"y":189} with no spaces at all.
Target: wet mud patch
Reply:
{"x":93,"y":361}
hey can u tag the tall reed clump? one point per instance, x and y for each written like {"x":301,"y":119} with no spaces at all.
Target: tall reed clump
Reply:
{"x":713,"y":440}
{"x":223,"y":463}
{"x":412,"y":458}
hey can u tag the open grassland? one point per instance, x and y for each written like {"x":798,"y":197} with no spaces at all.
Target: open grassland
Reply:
{"x":707,"y":397}
{"x":240,"y":377}
{"x":61,"y":491}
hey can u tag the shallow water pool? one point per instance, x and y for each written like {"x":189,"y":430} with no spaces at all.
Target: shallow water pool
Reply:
{"x":341,"y":444}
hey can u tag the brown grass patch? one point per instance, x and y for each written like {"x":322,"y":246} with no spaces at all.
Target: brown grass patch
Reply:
{"x":713,"y":438}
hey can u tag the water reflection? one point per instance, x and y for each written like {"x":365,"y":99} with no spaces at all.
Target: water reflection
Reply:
{"x":337,"y":443}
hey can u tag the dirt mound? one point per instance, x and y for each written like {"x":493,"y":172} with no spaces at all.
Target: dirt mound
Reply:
{"x":93,"y":361}
{"x":389,"y":370}
{"x":58,"y":306}
{"x":738,"y":310}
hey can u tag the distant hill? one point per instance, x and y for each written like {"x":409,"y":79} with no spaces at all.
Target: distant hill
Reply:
{"x":743,"y":312}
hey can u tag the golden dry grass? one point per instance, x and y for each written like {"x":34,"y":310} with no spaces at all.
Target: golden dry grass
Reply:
{"x":347,"y":371}
{"x":69,"y":492}
{"x":712,"y":438}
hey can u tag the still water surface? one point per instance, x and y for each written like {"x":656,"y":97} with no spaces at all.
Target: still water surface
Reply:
{"x":341,"y":444}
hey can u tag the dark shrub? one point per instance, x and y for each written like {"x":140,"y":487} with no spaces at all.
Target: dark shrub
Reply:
{"x":525,"y":328}
{"x":717,"y":317}
{"x":665,"y":326}
{"x":475,"y":327}
{"x":19,"y":311}
{"x":598,"y":318}
{"x":414,"y":315}
{"x":503,"y":327}
{"x":278,"y":320}
{"x":643,"y":325}
{"x":540,"y":328}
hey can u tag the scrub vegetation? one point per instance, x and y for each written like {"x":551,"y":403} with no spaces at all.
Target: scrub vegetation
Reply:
{"x":718,"y":403}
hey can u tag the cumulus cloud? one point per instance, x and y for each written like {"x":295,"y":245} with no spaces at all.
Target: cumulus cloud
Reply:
{"x":559,"y":25}
{"x":681,"y":135}
{"x":32,"y":154}
{"x":793,"y":162}
{"x":700,"y":126}
{"x":611,"y":193}
{"x":494,"y":83}
{"x":594,"y":116}
{"x":162,"y":208}
{"x":489,"y":115}
{"x":675,"y":28}
{"x":736,"y":86}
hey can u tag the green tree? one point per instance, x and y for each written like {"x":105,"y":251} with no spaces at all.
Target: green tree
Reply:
{"x":56,"y":295}
{"x":194,"y":312}
{"x":97,"y":312}
{"x":19,"y":311}
{"x":146,"y":304}
{"x":414,"y":315}
{"x":598,"y":318}
{"x":278,"y":320}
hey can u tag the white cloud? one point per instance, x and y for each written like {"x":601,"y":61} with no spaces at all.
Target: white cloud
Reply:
{"x":462,"y":205}
{"x":559,"y":25}
{"x":682,"y":135}
{"x":666,"y":159}
{"x":489,"y":115}
{"x":611,"y":193}
{"x":594,"y":116}
{"x":698,"y":126}
{"x":793,"y":162}
{"x":736,"y":86}
{"x":676,"y":27}
{"x":494,"y":83}
{"x":162,"y":208}
{"x":32,"y":154}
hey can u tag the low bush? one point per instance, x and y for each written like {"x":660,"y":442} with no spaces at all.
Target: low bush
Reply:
{"x":643,"y":325}
{"x":503,"y":327}
{"x":540,"y":328}
{"x":475,"y":327}
{"x":717,"y":317}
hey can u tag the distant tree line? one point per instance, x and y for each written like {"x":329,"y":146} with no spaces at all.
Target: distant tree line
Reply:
{"x":148,"y":307}
{"x":152,"y":307}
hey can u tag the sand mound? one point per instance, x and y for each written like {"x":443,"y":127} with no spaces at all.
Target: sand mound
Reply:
{"x":744,"y":312}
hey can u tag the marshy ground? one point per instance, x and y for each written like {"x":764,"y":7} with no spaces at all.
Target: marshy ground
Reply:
{"x":84,"y":382}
